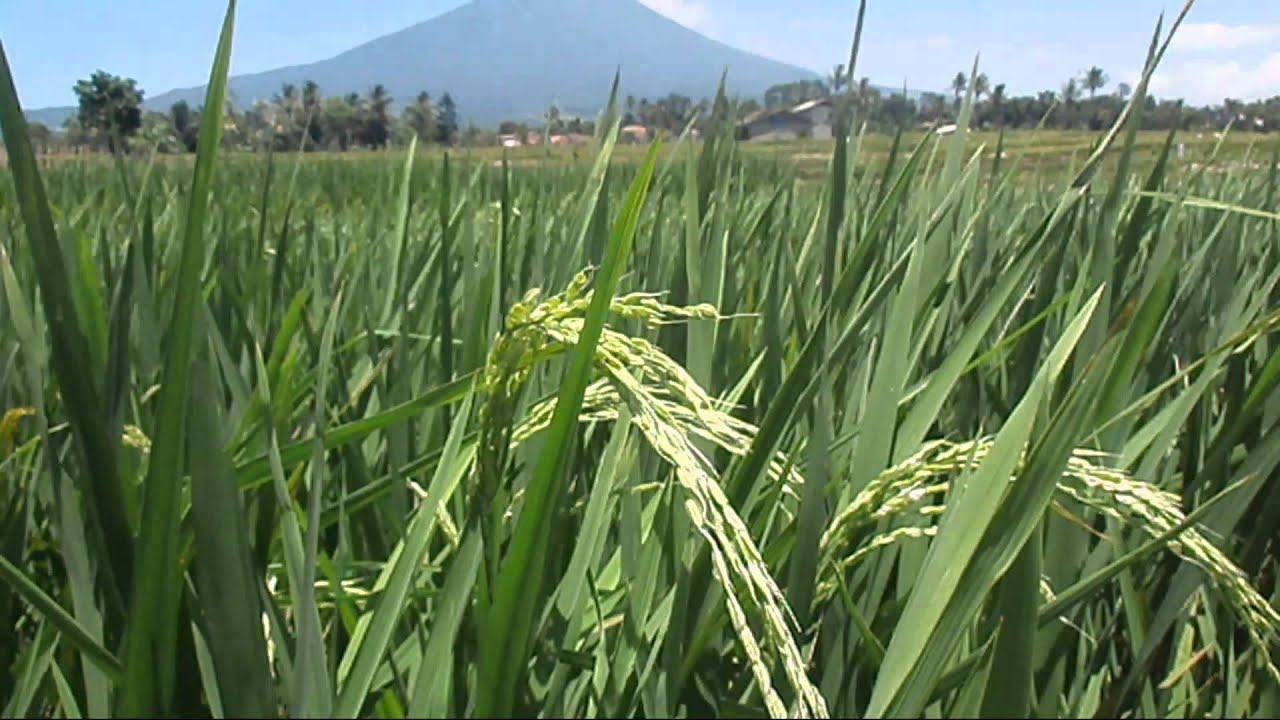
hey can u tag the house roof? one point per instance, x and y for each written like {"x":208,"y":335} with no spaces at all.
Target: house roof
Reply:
{"x":764,"y":114}
{"x":796,"y":111}
{"x":807,"y":106}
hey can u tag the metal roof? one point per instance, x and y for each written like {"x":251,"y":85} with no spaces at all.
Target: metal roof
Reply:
{"x":807,"y":106}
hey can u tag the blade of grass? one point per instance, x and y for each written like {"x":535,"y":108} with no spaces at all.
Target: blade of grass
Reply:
{"x":61,"y":619}
{"x":904,"y":681}
{"x":151,"y":643}
{"x":70,"y":354}
{"x":224,"y":571}
{"x":373,"y":633}
{"x":505,"y":635}
{"x":431,"y":693}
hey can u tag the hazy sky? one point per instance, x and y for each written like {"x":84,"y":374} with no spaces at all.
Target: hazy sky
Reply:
{"x":1229,"y":48}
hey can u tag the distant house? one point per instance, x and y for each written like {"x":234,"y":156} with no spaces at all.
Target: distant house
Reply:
{"x":810,"y":119}
{"x":635,"y":134}
{"x":570,"y":139}
{"x":510,"y":141}
{"x":818,"y":113}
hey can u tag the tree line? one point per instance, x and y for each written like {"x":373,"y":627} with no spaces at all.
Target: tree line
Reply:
{"x":110,"y":114}
{"x":1088,"y":101}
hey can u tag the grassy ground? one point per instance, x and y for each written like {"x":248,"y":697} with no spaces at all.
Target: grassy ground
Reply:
{"x":1045,"y":152}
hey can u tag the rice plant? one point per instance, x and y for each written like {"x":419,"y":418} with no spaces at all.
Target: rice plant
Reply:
{"x":692,"y":436}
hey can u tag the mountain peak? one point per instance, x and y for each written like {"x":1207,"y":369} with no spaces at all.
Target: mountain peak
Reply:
{"x":509,"y":59}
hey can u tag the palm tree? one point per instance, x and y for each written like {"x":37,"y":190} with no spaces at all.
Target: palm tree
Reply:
{"x":997,"y":103}
{"x":286,"y":111}
{"x":310,"y":94}
{"x":311,"y":111}
{"x":838,"y":78}
{"x":378,"y":121}
{"x":1232,"y":109}
{"x":1070,"y":92}
{"x":981,"y":86}
{"x":286,"y":101}
{"x":1095,"y":78}
{"x":958,"y":85}
{"x":421,"y":116}
{"x":868,"y":97}
{"x":1070,"y":114}
{"x":447,"y":120}
{"x":552,"y":119}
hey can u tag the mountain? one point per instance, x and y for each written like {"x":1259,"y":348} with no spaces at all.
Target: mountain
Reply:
{"x":51,"y":117}
{"x":510,"y":59}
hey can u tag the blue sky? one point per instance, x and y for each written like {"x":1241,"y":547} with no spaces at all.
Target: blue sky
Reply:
{"x":1229,"y":48}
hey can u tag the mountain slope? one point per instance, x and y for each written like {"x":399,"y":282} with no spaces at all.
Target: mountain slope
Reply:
{"x":51,"y":117}
{"x":509,"y":59}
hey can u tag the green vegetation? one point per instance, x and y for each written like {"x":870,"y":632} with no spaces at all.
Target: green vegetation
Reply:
{"x":682,"y":436}
{"x":110,"y":108}
{"x":304,"y":118}
{"x":368,"y":121}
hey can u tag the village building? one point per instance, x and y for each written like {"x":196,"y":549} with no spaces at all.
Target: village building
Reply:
{"x":810,"y":119}
{"x":635,"y":134}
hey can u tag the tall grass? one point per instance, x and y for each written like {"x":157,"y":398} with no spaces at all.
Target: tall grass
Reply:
{"x":670,"y":438}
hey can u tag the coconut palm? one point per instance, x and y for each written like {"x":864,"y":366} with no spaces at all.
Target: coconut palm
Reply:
{"x":958,"y":85}
{"x":1070,"y":92}
{"x":997,"y":103}
{"x":447,"y":120}
{"x":839,"y":78}
{"x":310,"y":112}
{"x":310,"y":95}
{"x":286,"y":117}
{"x":377,"y":125}
{"x":1095,"y":78}
{"x":421,"y":117}
{"x":981,"y":86}
{"x":630,"y":117}
{"x":867,"y":97}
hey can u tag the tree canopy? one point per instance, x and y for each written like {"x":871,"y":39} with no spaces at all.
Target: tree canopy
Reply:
{"x":109,"y":105}
{"x":302,"y":117}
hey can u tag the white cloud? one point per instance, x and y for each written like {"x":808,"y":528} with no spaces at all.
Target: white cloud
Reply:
{"x":690,"y":13}
{"x":1207,"y":81}
{"x":937,"y":42}
{"x":1217,"y":36}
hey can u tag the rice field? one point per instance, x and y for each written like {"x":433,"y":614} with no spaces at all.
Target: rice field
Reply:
{"x":682,"y":436}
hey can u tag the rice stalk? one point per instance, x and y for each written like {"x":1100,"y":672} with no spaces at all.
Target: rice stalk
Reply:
{"x":929,"y":473}
{"x":670,"y":409}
